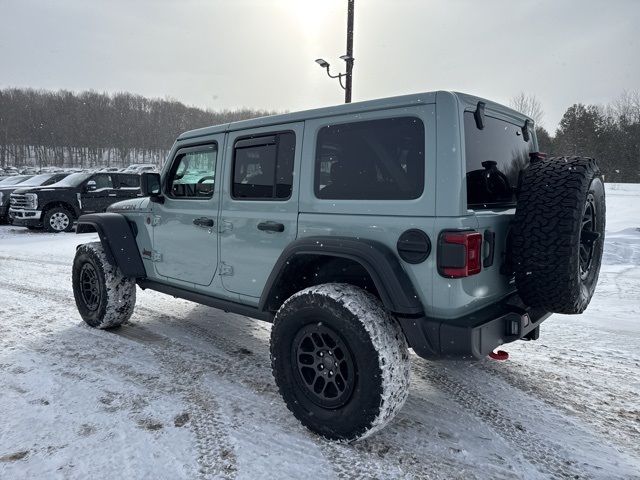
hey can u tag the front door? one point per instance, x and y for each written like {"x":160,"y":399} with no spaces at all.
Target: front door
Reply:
{"x":259,"y":212}
{"x":98,"y":193}
{"x":185,"y":241}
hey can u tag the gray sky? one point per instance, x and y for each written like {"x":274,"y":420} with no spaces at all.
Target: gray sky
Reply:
{"x":260,"y":53}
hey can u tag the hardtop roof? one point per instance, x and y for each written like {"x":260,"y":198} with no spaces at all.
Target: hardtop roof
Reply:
{"x":355,"y":107}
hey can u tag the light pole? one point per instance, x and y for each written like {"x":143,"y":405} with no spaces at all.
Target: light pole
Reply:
{"x":348,"y":58}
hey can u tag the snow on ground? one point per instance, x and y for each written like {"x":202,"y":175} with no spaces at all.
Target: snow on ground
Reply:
{"x":186,"y":391}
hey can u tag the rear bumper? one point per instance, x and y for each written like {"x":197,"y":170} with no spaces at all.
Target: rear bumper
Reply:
{"x":24,"y":217}
{"x":473,"y":336}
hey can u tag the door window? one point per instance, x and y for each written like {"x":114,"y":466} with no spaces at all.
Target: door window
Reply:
{"x":263,"y":167}
{"x":193,"y":173}
{"x":103,"y":181}
{"x":129,"y":182}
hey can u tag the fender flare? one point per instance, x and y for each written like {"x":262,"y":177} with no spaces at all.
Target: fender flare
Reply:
{"x":118,"y":238}
{"x":381,"y":263}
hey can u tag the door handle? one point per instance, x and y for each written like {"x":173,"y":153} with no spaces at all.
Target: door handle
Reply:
{"x":203,"y":222}
{"x":271,"y":227}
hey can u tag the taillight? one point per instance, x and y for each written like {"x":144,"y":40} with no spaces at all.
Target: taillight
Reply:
{"x":459,"y":253}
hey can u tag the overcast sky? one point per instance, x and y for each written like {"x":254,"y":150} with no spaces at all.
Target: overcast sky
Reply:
{"x":260,"y":53}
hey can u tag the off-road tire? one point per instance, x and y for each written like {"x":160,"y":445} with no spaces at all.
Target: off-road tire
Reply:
{"x":548,"y":234}
{"x":378,"y":384}
{"x":108,"y":301}
{"x":57,"y":220}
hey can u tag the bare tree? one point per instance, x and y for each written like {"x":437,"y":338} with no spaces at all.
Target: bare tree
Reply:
{"x":528,"y":105}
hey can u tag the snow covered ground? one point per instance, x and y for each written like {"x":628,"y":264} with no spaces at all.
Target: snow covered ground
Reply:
{"x":186,"y":391}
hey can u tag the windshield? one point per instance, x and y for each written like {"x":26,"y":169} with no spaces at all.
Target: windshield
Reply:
{"x":14,"y":180}
{"x":36,"y":181}
{"x":73,"y":180}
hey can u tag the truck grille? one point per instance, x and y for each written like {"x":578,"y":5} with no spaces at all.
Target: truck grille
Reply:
{"x":19,"y":200}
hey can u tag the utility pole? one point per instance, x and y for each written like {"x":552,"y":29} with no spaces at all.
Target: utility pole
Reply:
{"x":348,"y":57}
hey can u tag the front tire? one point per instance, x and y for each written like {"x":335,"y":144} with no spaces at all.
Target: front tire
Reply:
{"x":340,"y":361}
{"x":58,"y":219}
{"x":105,"y":298}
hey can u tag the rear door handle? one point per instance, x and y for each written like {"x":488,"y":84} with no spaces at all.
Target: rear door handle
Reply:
{"x":271,"y":227}
{"x":203,"y":222}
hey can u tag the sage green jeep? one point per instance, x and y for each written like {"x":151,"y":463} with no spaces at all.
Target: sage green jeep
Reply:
{"x":426,"y":221}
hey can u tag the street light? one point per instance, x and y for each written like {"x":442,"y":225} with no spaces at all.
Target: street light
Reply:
{"x":348,"y":58}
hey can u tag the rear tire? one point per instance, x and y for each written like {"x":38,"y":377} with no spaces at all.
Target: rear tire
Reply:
{"x":58,"y":219}
{"x":558,"y":233}
{"x":105,"y":298}
{"x":340,"y":361}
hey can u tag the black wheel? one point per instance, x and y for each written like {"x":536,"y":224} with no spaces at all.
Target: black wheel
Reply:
{"x":104,"y":297}
{"x":558,"y":233}
{"x":58,"y":219}
{"x":340,"y":361}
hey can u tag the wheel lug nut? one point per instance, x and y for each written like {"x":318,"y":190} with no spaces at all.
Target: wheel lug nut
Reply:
{"x":321,"y":367}
{"x":322,"y":354}
{"x":330,"y":352}
{"x":330,"y":372}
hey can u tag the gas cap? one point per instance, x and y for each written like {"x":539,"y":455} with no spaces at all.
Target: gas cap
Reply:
{"x":414,"y":246}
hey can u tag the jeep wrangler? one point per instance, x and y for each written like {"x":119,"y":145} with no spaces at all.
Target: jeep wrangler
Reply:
{"x":426,"y":221}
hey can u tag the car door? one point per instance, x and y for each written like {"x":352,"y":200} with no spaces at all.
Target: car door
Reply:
{"x":259,"y":212}
{"x":97,"y":193}
{"x":128,"y":186}
{"x":185,"y":241}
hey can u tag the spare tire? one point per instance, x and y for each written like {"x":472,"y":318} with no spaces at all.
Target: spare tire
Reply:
{"x":558,"y":233}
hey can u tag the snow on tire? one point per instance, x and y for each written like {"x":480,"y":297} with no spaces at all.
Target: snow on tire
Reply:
{"x":105,"y":298}
{"x":340,"y":361}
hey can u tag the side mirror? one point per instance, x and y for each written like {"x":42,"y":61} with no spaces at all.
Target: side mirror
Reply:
{"x":91,"y":186}
{"x":150,"y":186}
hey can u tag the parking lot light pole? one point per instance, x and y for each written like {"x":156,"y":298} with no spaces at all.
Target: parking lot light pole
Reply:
{"x":348,"y":58}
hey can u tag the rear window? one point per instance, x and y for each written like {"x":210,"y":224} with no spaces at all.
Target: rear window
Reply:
{"x":495,"y":156}
{"x":371,"y":160}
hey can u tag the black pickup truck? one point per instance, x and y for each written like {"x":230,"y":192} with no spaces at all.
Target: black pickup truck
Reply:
{"x":56,"y":207}
{"x":35,"y":181}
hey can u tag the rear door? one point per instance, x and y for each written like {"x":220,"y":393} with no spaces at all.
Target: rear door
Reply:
{"x":260,"y":204}
{"x":494,"y":156}
{"x":185,"y":242}
{"x":99,"y":198}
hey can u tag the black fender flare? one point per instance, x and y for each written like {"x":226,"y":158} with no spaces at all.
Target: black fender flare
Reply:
{"x":118,"y":239}
{"x":381,"y":263}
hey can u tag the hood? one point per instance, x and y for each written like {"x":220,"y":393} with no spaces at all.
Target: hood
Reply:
{"x":42,"y":189}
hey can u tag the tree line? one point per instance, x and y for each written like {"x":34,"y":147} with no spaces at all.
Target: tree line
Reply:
{"x":610,"y":133}
{"x":91,"y":129}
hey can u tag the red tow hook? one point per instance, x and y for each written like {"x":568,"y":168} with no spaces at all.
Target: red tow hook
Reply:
{"x":499,"y":355}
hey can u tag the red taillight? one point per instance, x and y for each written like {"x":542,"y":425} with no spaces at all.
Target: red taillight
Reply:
{"x":459,"y":254}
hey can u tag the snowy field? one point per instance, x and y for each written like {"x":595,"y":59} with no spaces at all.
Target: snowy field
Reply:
{"x":186,"y":391}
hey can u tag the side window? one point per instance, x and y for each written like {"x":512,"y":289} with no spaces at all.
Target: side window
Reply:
{"x":495,"y":156}
{"x":371,"y":160}
{"x":102,"y":181}
{"x":129,"y":182}
{"x":263,"y":167}
{"x":193,"y":173}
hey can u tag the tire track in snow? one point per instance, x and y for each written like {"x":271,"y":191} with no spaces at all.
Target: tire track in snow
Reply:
{"x":35,"y":260}
{"x":216,"y":457}
{"x":556,"y":393}
{"x":540,"y":451}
